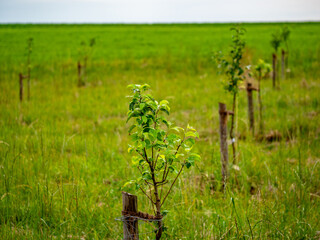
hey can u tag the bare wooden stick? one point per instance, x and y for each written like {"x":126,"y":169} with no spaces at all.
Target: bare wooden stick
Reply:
{"x":250,"y":106}
{"x":283,"y":65}
{"x":130,"y":225}
{"x":223,"y":113}
{"x":21,"y":87}
{"x":274,"y":72}
{"x":79,"y":75}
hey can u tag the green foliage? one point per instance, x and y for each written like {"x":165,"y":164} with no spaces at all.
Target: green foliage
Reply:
{"x":29,"y":45}
{"x":231,"y":63}
{"x":159,"y":149}
{"x":262,"y":69}
{"x":86,"y":49}
{"x":29,"y":51}
{"x":63,"y":155}
{"x":276,"y":40}
{"x":285,"y":34}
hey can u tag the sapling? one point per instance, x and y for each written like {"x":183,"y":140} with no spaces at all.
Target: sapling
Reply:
{"x":160,"y":150}
{"x":285,"y":34}
{"x":261,"y":71}
{"x":29,"y":51}
{"x":231,"y":67}
{"x":85,"y":53}
{"x":275,"y":43}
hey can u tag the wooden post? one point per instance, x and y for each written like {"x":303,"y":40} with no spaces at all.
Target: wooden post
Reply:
{"x":79,"y":75}
{"x":274,"y":72}
{"x":283,"y":65}
{"x":21,"y":86}
{"x":250,"y":106}
{"x":223,"y":141}
{"x":130,"y":225}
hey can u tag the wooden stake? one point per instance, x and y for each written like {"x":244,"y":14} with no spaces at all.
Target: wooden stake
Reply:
{"x":250,"y":106}
{"x":130,"y":225}
{"x":274,"y":72}
{"x":283,"y":65}
{"x":223,"y":113}
{"x":79,"y":75}
{"x":21,"y":86}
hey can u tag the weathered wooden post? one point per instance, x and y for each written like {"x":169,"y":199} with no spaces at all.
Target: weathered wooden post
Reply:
{"x":79,"y":75}
{"x":21,"y":86}
{"x":274,"y":72}
{"x":283,"y":65}
{"x":223,"y":113}
{"x":250,"y":106}
{"x":130,"y":224}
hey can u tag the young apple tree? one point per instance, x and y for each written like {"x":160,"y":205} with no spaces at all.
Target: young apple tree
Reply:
{"x":230,"y":65}
{"x":29,"y":52}
{"x":160,"y":150}
{"x":261,"y":71}
{"x":275,"y":43}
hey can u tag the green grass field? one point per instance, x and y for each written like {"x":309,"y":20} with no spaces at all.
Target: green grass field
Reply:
{"x":63,"y":154}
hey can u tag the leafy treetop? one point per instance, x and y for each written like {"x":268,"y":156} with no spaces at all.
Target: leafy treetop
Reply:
{"x":159,"y":149}
{"x":231,"y":64}
{"x":262,"y":69}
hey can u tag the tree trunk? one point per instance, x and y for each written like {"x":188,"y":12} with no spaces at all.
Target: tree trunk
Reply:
{"x":261,"y":130}
{"x":250,"y":107}
{"x":232,"y":134}
{"x":158,"y":204}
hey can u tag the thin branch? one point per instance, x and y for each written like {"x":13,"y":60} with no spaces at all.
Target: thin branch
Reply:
{"x":147,"y":195}
{"x":172,"y":185}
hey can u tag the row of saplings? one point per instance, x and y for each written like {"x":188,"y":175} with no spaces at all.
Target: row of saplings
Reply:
{"x":85,"y":52}
{"x":160,"y":150}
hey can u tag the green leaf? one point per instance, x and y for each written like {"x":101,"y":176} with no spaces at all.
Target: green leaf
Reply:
{"x":144,"y":119}
{"x":173,"y":169}
{"x":164,"y":102}
{"x":131,"y":149}
{"x":131,"y":128}
{"x":142,"y":105}
{"x":128,"y":183}
{"x":146,"y":176}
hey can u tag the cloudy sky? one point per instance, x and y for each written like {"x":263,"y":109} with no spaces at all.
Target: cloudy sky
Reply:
{"x":152,"y":11}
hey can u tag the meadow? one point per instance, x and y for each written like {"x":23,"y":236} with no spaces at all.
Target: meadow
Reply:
{"x":63,"y":153}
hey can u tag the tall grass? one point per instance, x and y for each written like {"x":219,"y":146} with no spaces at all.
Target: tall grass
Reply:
{"x":63,"y":154}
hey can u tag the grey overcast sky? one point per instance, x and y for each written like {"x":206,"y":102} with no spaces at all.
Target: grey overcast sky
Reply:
{"x":154,"y":11}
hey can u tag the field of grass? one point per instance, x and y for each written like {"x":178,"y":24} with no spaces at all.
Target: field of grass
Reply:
{"x":63,"y":154}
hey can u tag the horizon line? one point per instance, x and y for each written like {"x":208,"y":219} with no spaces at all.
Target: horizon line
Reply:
{"x":156,"y":23}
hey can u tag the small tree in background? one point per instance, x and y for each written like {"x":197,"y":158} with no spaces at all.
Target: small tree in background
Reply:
{"x":285,"y":34}
{"x":29,"y":52}
{"x":261,"y":70}
{"x":85,"y":53}
{"x":159,"y":150}
{"x":230,"y":65}
{"x":275,"y":43}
